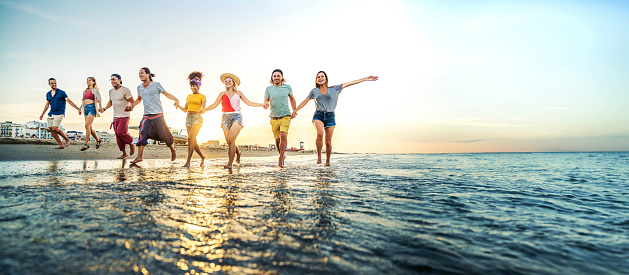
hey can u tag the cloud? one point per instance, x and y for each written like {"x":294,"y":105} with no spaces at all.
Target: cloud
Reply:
{"x":36,"y":12}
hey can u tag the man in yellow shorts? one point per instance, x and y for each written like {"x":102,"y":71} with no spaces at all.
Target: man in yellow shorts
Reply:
{"x":277,"y":95}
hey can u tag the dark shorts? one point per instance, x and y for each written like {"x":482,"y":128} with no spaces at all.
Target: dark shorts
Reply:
{"x":155,"y":128}
{"x":326,"y":117}
{"x":89,"y":109}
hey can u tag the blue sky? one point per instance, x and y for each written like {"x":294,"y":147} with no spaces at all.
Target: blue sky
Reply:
{"x":455,"y":76}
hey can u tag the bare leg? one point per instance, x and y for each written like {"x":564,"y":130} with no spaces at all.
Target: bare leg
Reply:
{"x":198,"y":150}
{"x":173,"y":152}
{"x":232,"y":134}
{"x":192,"y":143}
{"x":88,"y":129}
{"x":132,"y":148}
{"x":55,"y":135}
{"x":140,"y":153}
{"x":124,"y":154}
{"x":283,"y":142}
{"x":328,"y":144}
{"x":319,"y":140}
{"x":238,"y":155}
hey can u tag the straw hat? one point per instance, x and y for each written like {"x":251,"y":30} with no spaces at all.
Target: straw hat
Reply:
{"x":232,"y":76}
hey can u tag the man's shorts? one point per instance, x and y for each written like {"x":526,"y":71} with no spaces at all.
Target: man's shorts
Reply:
{"x":280,"y":124}
{"x":55,"y":120}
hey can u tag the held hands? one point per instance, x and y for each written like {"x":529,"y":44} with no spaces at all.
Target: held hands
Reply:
{"x":292,"y":116}
{"x":371,"y":78}
{"x":79,"y":111}
{"x":129,"y":108}
{"x":177,"y":104}
{"x":265,"y":105}
{"x":101,"y":110}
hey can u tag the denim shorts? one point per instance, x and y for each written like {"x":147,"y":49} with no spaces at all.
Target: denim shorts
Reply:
{"x":193,"y":118}
{"x":89,"y":109}
{"x":229,"y":119}
{"x":326,"y":117}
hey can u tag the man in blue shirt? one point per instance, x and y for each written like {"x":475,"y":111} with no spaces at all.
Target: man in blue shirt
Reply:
{"x":56,"y":100}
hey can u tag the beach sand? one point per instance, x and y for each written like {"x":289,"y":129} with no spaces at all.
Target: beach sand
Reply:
{"x":45,"y":150}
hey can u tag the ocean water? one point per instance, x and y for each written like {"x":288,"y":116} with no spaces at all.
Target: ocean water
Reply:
{"x":527,"y":213}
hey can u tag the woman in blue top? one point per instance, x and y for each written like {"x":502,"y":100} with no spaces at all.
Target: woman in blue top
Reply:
{"x":326,"y":98}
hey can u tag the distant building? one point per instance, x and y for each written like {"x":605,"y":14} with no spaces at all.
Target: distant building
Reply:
{"x":301,"y":145}
{"x":8,"y":129}
{"x":272,"y":147}
{"x":212,"y":144}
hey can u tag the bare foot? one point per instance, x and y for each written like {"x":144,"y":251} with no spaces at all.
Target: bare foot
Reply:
{"x":67,"y":142}
{"x":238,"y":153}
{"x":174,"y":153}
{"x":202,"y":161}
{"x":281,"y":162}
{"x":319,"y":160}
{"x":227,"y":166}
{"x":132,"y":147}
{"x":124,"y":156}
{"x":327,"y":164}
{"x":136,"y":160}
{"x":60,"y":147}
{"x":187,"y":164}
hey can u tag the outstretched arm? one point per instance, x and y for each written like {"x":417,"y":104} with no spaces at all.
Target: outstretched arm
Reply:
{"x":215,"y":104}
{"x":301,"y":105}
{"x":369,"y":78}
{"x":45,"y":109}
{"x":73,"y":105}
{"x":248,"y":102}
{"x":171,"y":97}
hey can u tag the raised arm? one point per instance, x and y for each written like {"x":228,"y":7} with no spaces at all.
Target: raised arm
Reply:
{"x":369,"y":78}
{"x":45,"y":109}
{"x":248,"y":102}
{"x":215,"y":104}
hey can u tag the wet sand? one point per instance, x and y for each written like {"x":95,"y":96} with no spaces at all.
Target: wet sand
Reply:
{"x":13,"y":152}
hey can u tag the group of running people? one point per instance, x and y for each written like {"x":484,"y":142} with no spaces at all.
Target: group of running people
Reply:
{"x":153,"y":125}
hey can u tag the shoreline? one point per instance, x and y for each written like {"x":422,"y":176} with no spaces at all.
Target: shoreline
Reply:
{"x":43,"y":150}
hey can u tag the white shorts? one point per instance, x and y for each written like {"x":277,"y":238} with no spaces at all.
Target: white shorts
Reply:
{"x":55,"y":120}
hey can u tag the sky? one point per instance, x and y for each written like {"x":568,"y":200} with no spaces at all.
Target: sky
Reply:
{"x":454,"y":76}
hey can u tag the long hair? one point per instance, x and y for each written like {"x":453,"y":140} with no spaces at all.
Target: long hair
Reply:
{"x":95,"y":86}
{"x":281,"y":73}
{"x":147,"y":71}
{"x":326,"y":79}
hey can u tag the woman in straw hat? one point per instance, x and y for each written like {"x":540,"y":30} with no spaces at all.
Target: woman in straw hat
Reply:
{"x":195,"y":103}
{"x":326,"y":98}
{"x":232,"y":118}
{"x":91,"y":95}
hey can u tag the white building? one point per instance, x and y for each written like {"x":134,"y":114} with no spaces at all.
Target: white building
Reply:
{"x":38,"y":129}
{"x":8,"y":129}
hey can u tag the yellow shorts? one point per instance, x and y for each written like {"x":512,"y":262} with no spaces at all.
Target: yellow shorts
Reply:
{"x":280,"y":125}
{"x":55,"y":120}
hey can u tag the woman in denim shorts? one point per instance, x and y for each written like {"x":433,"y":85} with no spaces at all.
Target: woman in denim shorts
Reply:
{"x":195,"y":104}
{"x":324,"y":118}
{"x":91,"y":95}
{"x":232,"y":117}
